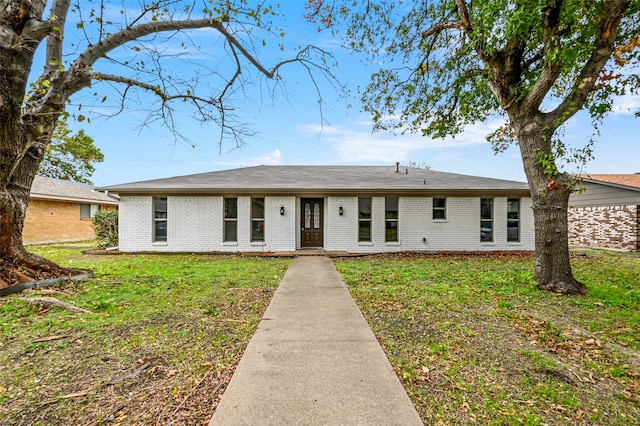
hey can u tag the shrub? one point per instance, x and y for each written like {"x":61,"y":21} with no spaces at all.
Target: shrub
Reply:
{"x":105,"y":225}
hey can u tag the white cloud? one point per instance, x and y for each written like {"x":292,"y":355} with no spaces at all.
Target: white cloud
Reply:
{"x":358,"y":144}
{"x":237,"y":159}
{"x":627,"y":104}
{"x":274,"y":157}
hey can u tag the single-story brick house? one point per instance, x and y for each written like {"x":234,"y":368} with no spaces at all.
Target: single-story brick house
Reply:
{"x":334,"y":208}
{"x":61,"y":211}
{"x":606,"y":212}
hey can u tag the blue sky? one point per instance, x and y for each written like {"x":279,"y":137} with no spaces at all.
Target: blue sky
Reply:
{"x":289,"y":130}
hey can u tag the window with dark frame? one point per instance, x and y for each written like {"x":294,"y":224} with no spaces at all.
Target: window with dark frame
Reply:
{"x":391,"y":219}
{"x":230,"y":220}
{"x":439,"y":209}
{"x":486,"y":219}
{"x":87,"y":211}
{"x":257,"y":219}
{"x":364,"y":219}
{"x":159,"y":218}
{"x":513,"y":219}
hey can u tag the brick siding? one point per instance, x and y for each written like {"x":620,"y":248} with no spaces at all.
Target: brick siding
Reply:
{"x":616,"y":227}
{"x":195,"y":223}
{"x":49,"y":221}
{"x":417,"y":231}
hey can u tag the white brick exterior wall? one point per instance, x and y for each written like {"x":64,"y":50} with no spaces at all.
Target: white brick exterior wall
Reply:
{"x":195,"y":224}
{"x":419,"y":232}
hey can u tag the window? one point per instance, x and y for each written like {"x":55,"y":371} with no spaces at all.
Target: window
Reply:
{"x":159,"y":218}
{"x":230,"y":220}
{"x":486,"y":219}
{"x":364,"y":219}
{"x":257,"y":219}
{"x":87,"y":211}
{"x":513,"y":219}
{"x":391,"y":219}
{"x":439,"y":209}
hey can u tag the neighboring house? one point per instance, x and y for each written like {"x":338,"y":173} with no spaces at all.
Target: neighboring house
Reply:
{"x":335,"y":208}
{"x":606,"y":212}
{"x":60,"y":211}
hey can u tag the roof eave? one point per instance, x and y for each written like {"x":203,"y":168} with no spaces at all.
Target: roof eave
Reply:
{"x":612,"y":184}
{"x":72,"y":199}
{"x":324,"y":192}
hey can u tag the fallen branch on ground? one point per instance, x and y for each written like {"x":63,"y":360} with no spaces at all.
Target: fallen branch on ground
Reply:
{"x":131,"y":375}
{"x":50,"y":338}
{"x":52,"y":301}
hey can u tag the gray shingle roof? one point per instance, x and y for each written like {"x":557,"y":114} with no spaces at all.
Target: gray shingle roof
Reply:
{"x":324,"y":180}
{"x":64,"y":190}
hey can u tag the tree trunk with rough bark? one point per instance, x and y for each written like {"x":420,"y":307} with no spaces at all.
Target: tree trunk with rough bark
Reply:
{"x":23,"y":139}
{"x":550,"y":193}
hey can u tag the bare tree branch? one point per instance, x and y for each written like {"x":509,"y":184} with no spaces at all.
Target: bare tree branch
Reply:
{"x":58,"y":14}
{"x":604,"y":46}
{"x":100,"y":50}
{"x":463,"y":24}
{"x":156,"y":90}
{"x":552,"y":68}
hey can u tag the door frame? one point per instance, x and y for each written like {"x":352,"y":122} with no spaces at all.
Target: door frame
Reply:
{"x":301,"y":223}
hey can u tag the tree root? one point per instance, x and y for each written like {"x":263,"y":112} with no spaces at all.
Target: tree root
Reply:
{"x":52,"y":301}
{"x":13,"y":275}
{"x":22,"y":267}
{"x":575,"y":287}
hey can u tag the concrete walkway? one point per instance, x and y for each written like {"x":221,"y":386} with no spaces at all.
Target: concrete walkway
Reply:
{"x":314,"y":361}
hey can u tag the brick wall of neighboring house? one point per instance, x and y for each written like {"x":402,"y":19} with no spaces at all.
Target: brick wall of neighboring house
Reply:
{"x":50,"y":221}
{"x":616,"y":227}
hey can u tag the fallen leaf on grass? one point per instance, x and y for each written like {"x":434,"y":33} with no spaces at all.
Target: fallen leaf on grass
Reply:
{"x":593,"y":341}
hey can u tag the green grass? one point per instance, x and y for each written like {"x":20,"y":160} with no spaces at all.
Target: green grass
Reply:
{"x":471,"y":338}
{"x":474,"y":340}
{"x":185,"y":318}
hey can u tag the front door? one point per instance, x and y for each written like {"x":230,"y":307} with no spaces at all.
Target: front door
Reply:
{"x":311,"y":219}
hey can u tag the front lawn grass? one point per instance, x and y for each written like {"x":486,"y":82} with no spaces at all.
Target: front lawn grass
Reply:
{"x":162,"y":342}
{"x":470,"y":337}
{"x":474,"y":341}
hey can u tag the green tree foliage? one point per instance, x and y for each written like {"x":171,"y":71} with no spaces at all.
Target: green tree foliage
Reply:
{"x":70,"y":156}
{"x":449,"y":63}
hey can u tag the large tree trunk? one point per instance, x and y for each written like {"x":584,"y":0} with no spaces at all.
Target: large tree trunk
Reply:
{"x":23,"y":139}
{"x":550,"y":197}
{"x":16,"y":264}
